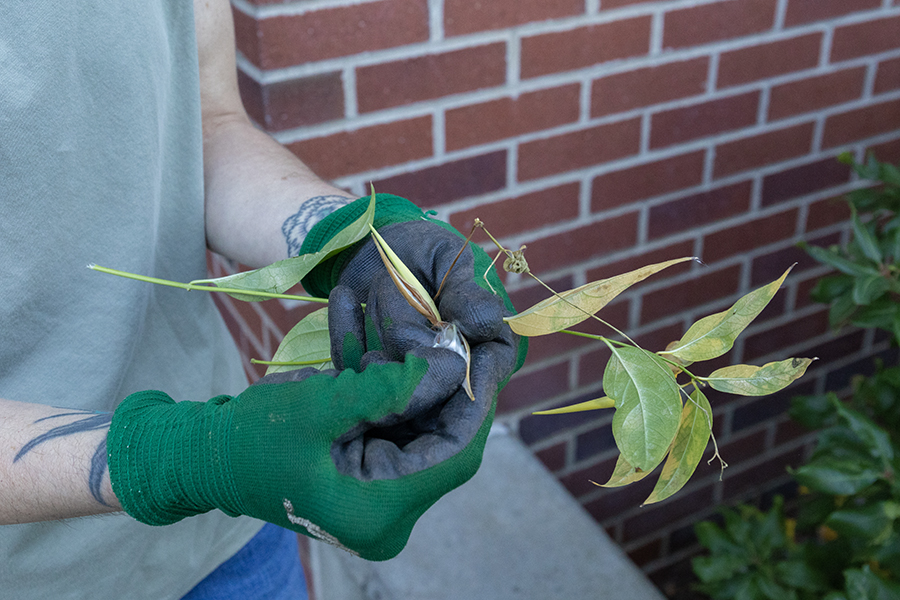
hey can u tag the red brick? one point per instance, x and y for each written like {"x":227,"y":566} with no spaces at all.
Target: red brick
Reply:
{"x":699,"y":209}
{"x":747,"y":236}
{"x":368,"y":148}
{"x":763,"y":149}
{"x":582,"y":244}
{"x":652,"y":519}
{"x":786,"y":335}
{"x":887,"y":151}
{"x":520,"y":214}
{"x":860,"y":39}
{"x":282,"y":41}
{"x":584,"y":47}
{"x":528,"y":389}
{"x":592,"y":364}
{"x":427,"y":77}
{"x":246,"y":34}
{"x":647,"y":180}
{"x":888,"y":77}
{"x":626,"y":265}
{"x":816,"y":93}
{"x":646,"y":553}
{"x":579,"y":149}
{"x":762,"y":477}
{"x":554,"y":457}
{"x":468,"y":16}
{"x":804,"y":179}
{"x":706,"y":288}
{"x":717,"y":21}
{"x":827,"y":212}
{"x":651,"y":85}
{"x":534,"y":428}
{"x":701,"y":120}
{"x":861,"y":123}
{"x":807,"y":11}
{"x":450,"y":181}
{"x":768,"y":60}
{"x":767,"y":268}
{"x":293,"y":103}
{"x":509,"y":117}
{"x":597,"y":441}
{"x":614,"y":4}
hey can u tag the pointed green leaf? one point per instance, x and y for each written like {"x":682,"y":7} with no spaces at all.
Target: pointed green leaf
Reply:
{"x":284,"y":274}
{"x":837,"y":476}
{"x":869,"y":288}
{"x":623,"y":474}
{"x":687,"y":448}
{"x":833,"y":259}
{"x":714,"y":335}
{"x":867,"y":242}
{"x":648,"y":405}
{"x":574,"y":306}
{"x":595,"y":404}
{"x":308,"y":340}
{"x":749,"y":380}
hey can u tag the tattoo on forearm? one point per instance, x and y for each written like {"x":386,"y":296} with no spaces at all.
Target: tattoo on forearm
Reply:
{"x":90,"y":422}
{"x":311,"y":212}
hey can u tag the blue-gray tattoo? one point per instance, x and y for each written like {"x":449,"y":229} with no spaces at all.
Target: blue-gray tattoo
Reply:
{"x":311,"y":212}
{"x":90,"y":422}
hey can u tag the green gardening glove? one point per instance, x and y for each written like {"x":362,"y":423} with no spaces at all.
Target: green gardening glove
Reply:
{"x":327,"y":454}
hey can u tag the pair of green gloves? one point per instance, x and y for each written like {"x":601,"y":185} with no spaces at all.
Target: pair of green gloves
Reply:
{"x":352,"y":456}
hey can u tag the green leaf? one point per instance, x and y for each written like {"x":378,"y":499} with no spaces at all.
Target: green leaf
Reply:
{"x":863,"y":236}
{"x":841,"y":309}
{"x":876,"y":439}
{"x":595,"y":404}
{"x":284,"y":274}
{"x":687,"y":448}
{"x":648,"y":405}
{"x":574,"y":306}
{"x":869,"y":288}
{"x":714,"y":335}
{"x":873,"y":523}
{"x":832,"y":258}
{"x":623,"y":474}
{"x":749,"y":380}
{"x":838,"y":477}
{"x":863,"y":584}
{"x":308,"y":340}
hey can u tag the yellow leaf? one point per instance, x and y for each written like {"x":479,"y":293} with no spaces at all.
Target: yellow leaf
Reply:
{"x":574,"y":306}
{"x":714,"y":335}
{"x":623,"y":474}
{"x":749,"y":380}
{"x":687,"y":447}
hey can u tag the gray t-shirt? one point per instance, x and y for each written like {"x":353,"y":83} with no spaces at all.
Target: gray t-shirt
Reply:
{"x":100,"y":162}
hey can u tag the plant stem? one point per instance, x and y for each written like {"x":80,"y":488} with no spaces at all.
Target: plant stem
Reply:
{"x":205,"y":288}
{"x":293,"y":363}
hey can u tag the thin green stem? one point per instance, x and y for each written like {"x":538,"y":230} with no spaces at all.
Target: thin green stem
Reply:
{"x":205,"y":288}
{"x":292,"y":363}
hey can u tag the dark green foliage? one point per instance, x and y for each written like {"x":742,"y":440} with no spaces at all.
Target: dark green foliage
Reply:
{"x":845,"y":541}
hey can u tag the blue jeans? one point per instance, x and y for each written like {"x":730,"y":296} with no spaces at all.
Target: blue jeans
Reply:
{"x":268,"y":567}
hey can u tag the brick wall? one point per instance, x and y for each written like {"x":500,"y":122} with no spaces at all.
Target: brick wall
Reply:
{"x":605,"y":135}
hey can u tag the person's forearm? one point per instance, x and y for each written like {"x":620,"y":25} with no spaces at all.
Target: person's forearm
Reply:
{"x":260,"y":199}
{"x":52,"y":463}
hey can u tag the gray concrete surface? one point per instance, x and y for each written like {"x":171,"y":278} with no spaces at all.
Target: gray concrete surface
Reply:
{"x":512,"y":532}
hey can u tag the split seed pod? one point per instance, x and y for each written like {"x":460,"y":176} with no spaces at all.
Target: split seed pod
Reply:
{"x":448,"y":335}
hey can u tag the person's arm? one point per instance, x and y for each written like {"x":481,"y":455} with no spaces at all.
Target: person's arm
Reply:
{"x":261,"y":200}
{"x":52,"y":463}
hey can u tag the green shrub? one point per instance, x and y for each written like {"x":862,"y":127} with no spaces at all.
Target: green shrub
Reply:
{"x":845,"y":540}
